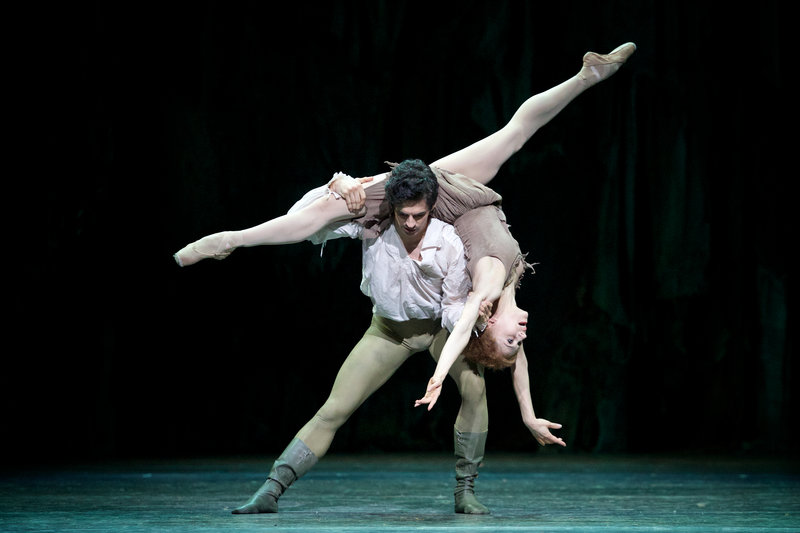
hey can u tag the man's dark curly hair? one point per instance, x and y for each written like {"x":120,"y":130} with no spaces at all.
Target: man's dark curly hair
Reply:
{"x":411,"y":181}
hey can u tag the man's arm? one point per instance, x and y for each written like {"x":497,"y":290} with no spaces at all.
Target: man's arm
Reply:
{"x":539,"y":427}
{"x":352,"y":189}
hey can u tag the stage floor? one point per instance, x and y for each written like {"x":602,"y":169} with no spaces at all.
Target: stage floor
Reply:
{"x":540,"y":492}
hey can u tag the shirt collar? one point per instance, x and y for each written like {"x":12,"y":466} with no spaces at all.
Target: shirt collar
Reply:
{"x":433,"y":235}
{"x":432,"y":240}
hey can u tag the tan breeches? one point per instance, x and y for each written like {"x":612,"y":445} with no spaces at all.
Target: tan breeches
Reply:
{"x":380,"y":352}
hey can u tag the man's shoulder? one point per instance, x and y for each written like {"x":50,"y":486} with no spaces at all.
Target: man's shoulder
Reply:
{"x":443,"y":233}
{"x":440,"y":225}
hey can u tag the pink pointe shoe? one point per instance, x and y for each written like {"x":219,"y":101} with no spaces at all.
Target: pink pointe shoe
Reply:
{"x":597,"y":67}
{"x":217,"y":246}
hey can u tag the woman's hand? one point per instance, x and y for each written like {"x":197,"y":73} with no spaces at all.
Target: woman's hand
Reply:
{"x":432,"y":394}
{"x":540,"y":428}
{"x":351,"y":189}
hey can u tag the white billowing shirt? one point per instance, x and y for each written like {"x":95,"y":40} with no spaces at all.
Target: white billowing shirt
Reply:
{"x":402,"y":288}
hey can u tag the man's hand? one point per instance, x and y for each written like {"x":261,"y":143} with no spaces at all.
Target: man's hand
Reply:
{"x":540,"y":428}
{"x":351,"y":189}
{"x":431,"y":395}
{"x":484,"y":313}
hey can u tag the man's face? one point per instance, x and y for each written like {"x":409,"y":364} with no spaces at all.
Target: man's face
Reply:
{"x":411,"y":219}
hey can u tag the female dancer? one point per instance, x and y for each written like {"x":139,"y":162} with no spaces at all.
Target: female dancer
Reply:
{"x":494,"y":259}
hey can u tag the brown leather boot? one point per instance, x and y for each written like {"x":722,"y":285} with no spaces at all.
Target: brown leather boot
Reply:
{"x":469,"y":449}
{"x":293,"y":463}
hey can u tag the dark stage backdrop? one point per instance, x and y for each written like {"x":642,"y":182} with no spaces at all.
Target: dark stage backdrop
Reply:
{"x":655,"y":204}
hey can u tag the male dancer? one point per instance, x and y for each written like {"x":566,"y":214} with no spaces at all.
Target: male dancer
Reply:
{"x":415,"y":274}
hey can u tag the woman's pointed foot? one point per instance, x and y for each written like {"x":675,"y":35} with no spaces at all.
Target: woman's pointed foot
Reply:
{"x":217,"y":246}
{"x":598,"y":67}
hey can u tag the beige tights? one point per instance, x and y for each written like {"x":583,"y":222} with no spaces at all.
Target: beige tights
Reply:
{"x":384,"y":347}
{"x":481,"y":160}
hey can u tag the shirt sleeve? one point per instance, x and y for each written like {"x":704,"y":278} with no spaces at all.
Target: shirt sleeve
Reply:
{"x":457,"y":283}
{"x":337,"y":230}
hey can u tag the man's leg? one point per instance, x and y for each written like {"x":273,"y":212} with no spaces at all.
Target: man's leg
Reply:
{"x":371,"y":363}
{"x":469,"y":432}
{"x":379,"y":353}
{"x":481,"y":160}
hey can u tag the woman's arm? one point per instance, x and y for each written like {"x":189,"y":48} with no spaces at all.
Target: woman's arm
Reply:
{"x":539,"y":427}
{"x":488,"y":282}
{"x":455,"y":344}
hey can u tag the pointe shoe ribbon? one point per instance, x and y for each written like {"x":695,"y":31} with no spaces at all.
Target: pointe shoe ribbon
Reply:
{"x":217,"y":246}
{"x":601,"y":66}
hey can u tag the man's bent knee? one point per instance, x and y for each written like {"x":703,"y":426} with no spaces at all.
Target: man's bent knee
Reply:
{"x":331,"y":417}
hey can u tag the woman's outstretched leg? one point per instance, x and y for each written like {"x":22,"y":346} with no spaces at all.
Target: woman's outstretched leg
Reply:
{"x":290,"y":228}
{"x":481,"y":160}
{"x":310,"y":214}
{"x":314,"y":211}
